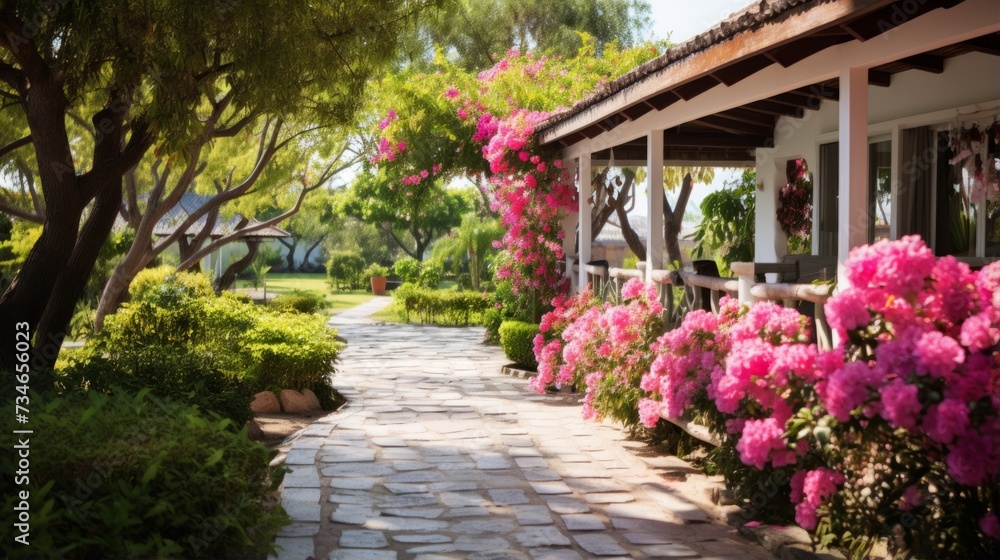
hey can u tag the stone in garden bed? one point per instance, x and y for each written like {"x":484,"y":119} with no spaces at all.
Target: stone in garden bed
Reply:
{"x":265,"y":403}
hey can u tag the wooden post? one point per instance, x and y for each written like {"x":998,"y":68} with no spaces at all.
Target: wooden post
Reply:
{"x":853,"y":151}
{"x":584,"y":178}
{"x":654,"y":233}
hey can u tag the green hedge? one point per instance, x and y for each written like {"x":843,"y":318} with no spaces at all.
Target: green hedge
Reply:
{"x":134,"y":477}
{"x":453,"y":307}
{"x":517,"y":339}
{"x":300,"y":301}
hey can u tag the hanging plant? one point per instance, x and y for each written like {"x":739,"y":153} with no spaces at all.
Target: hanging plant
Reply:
{"x":795,"y":210}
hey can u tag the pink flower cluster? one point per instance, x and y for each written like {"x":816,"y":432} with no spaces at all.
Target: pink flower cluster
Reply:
{"x":810,"y":490}
{"x":934,"y":326}
{"x":602,"y":343}
{"x":532,"y":194}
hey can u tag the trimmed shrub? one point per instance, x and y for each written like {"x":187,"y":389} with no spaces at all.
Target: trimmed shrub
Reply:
{"x":289,"y":352}
{"x":134,"y":477}
{"x":517,"y":339}
{"x":346,"y":270}
{"x":451,"y":307}
{"x":299,"y":301}
{"x":164,"y":284}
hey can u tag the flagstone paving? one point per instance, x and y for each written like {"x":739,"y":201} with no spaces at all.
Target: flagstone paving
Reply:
{"x":438,"y":455}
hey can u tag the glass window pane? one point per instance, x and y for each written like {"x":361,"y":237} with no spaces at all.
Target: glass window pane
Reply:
{"x":879,"y":190}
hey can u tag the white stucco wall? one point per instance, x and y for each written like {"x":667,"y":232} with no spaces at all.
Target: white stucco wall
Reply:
{"x":967,"y":80}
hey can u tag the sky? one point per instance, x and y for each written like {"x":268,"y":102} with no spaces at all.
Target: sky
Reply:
{"x":683,"y":19}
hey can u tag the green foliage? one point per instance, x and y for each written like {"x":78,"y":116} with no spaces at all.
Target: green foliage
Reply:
{"x":289,"y":351}
{"x":471,"y":31}
{"x":351,"y":234}
{"x":492,"y":319}
{"x":517,"y":339}
{"x":727,"y":226}
{"x":176,"y":371}
{"x":407,"y":269}
{"x":14,"y":250}
{"x":346,"y":270}
{"x":376,"y":270}
{"x":135,"y":477}
{"x":163,"y":285}
{"x":300,"y":301}
{"x":430,"y":274}
{"x":440,"y":307}
{"x":223,"y":340}
{"x":472,"y":242}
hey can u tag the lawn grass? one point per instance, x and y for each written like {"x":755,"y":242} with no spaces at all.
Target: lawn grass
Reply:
{"x":283,"y":283}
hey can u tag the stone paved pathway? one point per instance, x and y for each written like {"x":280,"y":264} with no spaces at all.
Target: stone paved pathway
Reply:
{"x":439,"y":456}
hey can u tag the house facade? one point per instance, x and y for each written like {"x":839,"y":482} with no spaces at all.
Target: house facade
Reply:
{"x":892,"y":106}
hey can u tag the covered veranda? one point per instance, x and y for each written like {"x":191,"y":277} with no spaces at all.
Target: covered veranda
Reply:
{"x":787,"y":80}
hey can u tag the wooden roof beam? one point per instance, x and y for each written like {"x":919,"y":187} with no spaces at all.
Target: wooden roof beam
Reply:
{"x":749,"y":117}
{"x":924,"y":62}
{"x":636,"y":111}
{"x":776,"y":109}
{"x":878,"y":78}
{"x":987,"y":44}
{"x":716,"y":140}
{"x":733,"y":127}
{"x":663,"y":100}
{"x":889,"y":17}
{"x":695,"y":88}
{"x":739,"y":71}
{"x":820,"y":91}
{"x":802,"y":49}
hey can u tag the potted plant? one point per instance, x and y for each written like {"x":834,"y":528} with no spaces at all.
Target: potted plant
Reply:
{"x":377,"y":273}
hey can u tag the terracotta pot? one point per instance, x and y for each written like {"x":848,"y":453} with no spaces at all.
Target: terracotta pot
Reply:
{"x":378,"y":285}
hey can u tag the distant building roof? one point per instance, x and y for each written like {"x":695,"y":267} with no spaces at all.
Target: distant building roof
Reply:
{"x":190,"y":203}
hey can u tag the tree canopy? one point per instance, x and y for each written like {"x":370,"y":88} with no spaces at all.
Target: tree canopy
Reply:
{"x":475,"y":33}
{"x":144,"y":74}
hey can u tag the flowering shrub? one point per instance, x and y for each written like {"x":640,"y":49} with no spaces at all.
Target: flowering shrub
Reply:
{"x":436,"y":126}
{"x":795,"y":206}
{"x":607,"y":347}
{"x":895,"y":433}
{"x":911,"y":398}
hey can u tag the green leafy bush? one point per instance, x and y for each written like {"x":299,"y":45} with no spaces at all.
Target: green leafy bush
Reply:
{"x":492,"y":319}
{"x":376,"y":270}
{"x":430,"y":274}
{"x":180,"y":372}
{"x":346,"y":270}
{"x":451,"y":307}
{"x":224,"y":350}
{"x":164,"y":284}
{"x":517,"y":339}
{"x":407,"y":269}
{"x":299,"y":301}
{"x":135,"y":477}
{"x":289,"y":352}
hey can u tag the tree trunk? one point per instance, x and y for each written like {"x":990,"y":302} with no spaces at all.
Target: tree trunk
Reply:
{"x":73,"y":279}
{"x":673,"y":220}
{"x":290,"y":258}
{"x":305,"y":258}
{"x":229,"y":276}
{"x":632,"y":239}
{"x":27,"y":295}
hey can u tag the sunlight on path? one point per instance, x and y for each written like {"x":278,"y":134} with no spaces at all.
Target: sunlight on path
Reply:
{"x":438,"y":455}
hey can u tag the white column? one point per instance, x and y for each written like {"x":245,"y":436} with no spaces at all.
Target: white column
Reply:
{"x":569,"y":240}
{"x":654,"y":233}
{"x":585,"y":179}
{"x":853,"y":169}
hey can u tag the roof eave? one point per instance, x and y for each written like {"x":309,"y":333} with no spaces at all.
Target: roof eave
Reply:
{"x":774,"y":32}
